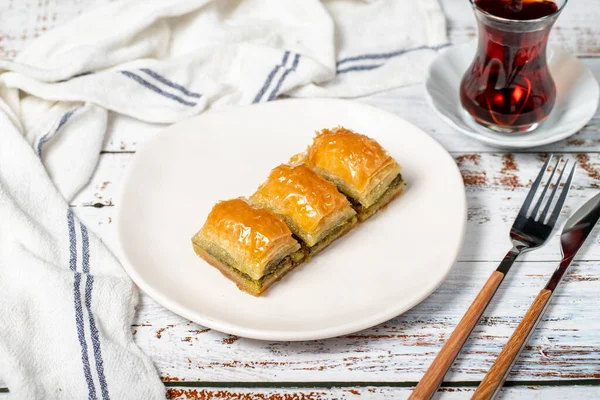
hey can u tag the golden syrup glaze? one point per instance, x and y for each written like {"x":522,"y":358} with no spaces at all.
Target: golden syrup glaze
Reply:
{"x":250,"y":233}
{"x":352,"y":157}
{"x":299,"y":193}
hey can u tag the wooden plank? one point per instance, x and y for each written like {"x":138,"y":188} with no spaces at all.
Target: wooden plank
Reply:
{"x":496,"y":187}
{"x":369,"y":392}
{"x":375,"y":393}
{"x":408,"y":102}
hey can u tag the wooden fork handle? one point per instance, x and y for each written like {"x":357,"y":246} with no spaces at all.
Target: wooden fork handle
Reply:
{"x":442,"y":363}
{"x":494,"y":379}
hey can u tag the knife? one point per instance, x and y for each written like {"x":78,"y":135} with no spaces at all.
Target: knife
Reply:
{"x":576,"y":230}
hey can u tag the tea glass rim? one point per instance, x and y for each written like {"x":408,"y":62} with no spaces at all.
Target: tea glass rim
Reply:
{"x":519,"y":21}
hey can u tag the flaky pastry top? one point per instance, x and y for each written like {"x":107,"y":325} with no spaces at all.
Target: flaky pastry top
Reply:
{"x":351,"y":157}
{"x":251,"y":234}
{"x":301,"y":194}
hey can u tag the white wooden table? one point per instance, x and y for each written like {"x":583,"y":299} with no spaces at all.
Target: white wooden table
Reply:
{"x":561,"y":361}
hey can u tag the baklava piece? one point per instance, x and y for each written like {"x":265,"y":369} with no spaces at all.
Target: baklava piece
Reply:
{"x":358,"y":166}
{"x":249,"y":244}
{"x":315,"y":211}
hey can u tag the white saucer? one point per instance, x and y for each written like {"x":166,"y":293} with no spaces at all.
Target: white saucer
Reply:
{"x":379,"y":270}
{"x":576,"y":101}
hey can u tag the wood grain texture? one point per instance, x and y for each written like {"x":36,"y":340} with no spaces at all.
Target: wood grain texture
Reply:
{"x":368,"y":393}
{"x":498,"y":373}
{"x":434,"y":375}
{"x":531,"y":392}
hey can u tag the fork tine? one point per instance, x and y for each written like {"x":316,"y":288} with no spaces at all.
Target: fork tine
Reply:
{"x":561,"y":199}
{"x":533,"y":189}
{"x":541,"y":199}
{"x":547,"y":208}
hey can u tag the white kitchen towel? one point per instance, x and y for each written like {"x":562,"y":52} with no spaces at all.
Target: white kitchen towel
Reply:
{"x":162,"y":61}
{"x":65,"y":303}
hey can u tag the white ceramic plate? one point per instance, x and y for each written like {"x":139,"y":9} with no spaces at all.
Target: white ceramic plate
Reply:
{"x":379,"y":270}
{"x":577,"y":95}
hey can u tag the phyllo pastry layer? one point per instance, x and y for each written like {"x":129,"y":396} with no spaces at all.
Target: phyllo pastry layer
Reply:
{"x":310,"y":205}
{"x":247,"y":243}
{"x":355,"y":163}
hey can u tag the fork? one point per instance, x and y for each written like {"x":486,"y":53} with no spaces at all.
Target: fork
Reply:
{"x":528,"y":232}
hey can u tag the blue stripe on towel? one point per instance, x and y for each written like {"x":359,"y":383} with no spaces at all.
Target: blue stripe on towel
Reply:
{"x":95,"y":338}
{"x":72,"y":241}
{"x":285,"y":74}
{"x":358,"y":68}
{"x":78,"y":307}
{"x":85,"y":249}
{"x":270,"y":77}
{"x":81,"y":336}
{"x":89,"y":287}
{"x":169,"y":83}
{"x":51,"y":134}
{"x":383,"y":56}
{"x":156,"y":89}
{"x":75,"y":76}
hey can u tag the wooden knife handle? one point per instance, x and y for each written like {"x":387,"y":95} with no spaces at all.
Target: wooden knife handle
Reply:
{"x":494,"y":379}
{"x":442,"y":363}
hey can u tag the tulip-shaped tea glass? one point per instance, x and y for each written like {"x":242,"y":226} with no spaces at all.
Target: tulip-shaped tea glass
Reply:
{"x":508,"y":87}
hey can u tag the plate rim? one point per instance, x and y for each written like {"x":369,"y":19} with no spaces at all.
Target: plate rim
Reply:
{"x":265,"y":334}
{"x":515,"y":142}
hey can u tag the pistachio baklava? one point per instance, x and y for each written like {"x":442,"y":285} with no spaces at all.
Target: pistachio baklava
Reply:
{"x":312,"y":207}
{"x":340,"y":180}
{"x":249,"y":244}
{"x":358,"y":166}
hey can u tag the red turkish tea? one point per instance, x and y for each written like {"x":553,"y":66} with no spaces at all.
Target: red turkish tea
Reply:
{"x":508,"y":87}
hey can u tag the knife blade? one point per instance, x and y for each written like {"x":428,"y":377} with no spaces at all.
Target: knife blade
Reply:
{"x":574,"y":234}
